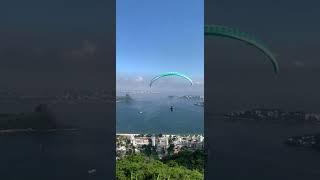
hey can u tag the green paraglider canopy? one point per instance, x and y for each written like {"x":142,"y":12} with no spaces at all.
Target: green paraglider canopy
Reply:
{"x":223,"y":31}
{"x":170,"y":74}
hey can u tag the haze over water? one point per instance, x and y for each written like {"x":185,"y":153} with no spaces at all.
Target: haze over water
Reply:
{"x":151,"y":114}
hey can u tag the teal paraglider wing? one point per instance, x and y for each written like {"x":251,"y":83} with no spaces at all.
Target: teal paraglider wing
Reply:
{"x":223,"y":31}
{"x":170,"y":74}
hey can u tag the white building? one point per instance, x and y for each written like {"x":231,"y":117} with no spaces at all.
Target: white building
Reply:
{"x":164,"y":142}
{"x":140,"y":141}
{"x":153,"y":140}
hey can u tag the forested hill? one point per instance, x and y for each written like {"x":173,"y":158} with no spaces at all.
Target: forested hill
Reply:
{"x":142,"y":167}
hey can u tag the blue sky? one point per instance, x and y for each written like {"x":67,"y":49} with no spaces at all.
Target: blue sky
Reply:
{"x":160,"y":36}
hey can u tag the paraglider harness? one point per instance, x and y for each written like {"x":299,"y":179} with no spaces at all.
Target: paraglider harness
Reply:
{"x":171,"y":108}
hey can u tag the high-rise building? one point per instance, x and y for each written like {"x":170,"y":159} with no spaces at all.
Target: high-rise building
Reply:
{"x":153,"y":140}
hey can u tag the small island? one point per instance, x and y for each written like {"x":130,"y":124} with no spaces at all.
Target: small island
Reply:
{"x":273,"y":114}
{"x":308,"y":141}
{"x":127,"y":98}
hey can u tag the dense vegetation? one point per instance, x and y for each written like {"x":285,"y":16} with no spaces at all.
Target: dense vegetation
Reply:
{"x":191,"y":160}
{"x":145,"y":168}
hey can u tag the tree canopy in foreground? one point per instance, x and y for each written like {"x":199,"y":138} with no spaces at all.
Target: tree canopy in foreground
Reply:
{"x":140,"y":167}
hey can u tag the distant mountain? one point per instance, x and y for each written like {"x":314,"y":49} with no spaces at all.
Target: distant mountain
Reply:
{"x":172,"y":97}
{"x":126,"y":98}
{"x":40,"y":119}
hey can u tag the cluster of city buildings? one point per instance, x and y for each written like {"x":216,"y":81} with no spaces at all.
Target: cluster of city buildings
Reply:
{"x":127,"y":91}
{"x":69,"y":96}
{"x":162,"y":144}
{"x":190,"y":97}
{"x":274,"y":114}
